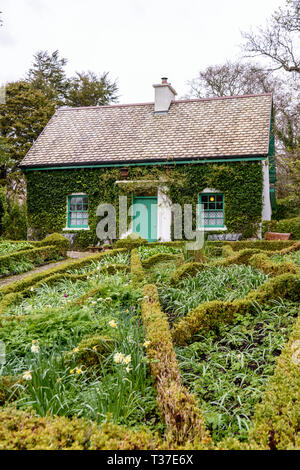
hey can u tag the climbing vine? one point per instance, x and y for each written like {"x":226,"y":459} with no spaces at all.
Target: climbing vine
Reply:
{"x":241,"y":183}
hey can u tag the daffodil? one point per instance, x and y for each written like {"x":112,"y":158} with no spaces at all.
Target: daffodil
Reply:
{"x":79,"y":370}
{"x":146,"y":344}
{"x":76,"y":350}
{"x":127,"y":359}
{"x":118,"y":358}
{"x":127,"y":311}
{"x":128,"y":369}
{"x":71,"y":371}
{"x":31,"y":289}
{"x":35,"y":348}
{"x":113,"y":324}
{"x":27,"y":375}
{"x":94,"y":348}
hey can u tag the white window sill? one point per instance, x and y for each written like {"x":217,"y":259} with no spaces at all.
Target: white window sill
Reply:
{"x":214,"y":229}
{"x":68,"y":229}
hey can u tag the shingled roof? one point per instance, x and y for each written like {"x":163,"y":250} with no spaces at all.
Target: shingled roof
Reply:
{"x":192,"y":129}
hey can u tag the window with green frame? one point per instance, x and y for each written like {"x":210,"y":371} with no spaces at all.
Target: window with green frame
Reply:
{"x":78,"y":211}
{"x":211,"y":210}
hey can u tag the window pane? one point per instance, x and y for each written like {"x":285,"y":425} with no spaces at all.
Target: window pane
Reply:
{"x":220,"y":198}
{"x":72,"y":207}
{"x":204,"y":198}
{"x":211,"y":205}
{"x":85,"y":207}
{"x":219,"y":221}
{"x":219,"y":205}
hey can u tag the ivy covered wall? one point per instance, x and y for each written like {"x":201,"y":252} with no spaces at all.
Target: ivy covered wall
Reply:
{"x":241,"y":183}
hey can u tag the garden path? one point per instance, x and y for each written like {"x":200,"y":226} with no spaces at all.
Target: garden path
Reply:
{"x":70,"y":254}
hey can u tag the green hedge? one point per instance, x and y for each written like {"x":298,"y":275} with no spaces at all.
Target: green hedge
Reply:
{"x":22,"y":430}
{"x":283,"y":226}
{"x":184,"y":420}
{"x":34,"y":255}
{"x":137,"y":271}
{"x":209,"y":314}
{"x":159,"y":257}
{"x":270,"y":245}
{"x":275,"y":424}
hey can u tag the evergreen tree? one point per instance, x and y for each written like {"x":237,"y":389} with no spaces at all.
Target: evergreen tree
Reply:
{"x":23,"y":116}
{"x":88,"y":89}
{"x":48,"y":75}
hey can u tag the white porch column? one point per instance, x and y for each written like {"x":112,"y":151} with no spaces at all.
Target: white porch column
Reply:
{"x":266,"y":209}
{"x":164,"y":215}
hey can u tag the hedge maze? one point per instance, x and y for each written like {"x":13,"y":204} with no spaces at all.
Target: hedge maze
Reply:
{"x":143,"y":348}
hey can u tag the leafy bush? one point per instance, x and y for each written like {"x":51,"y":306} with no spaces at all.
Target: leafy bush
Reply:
{"x":283,"y":226}
{"x":130,"y":242}
{"x":58,"y":240}
{"x":14,"y":221}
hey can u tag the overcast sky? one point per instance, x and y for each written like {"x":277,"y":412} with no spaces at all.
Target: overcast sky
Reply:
{"x":137,"y":41}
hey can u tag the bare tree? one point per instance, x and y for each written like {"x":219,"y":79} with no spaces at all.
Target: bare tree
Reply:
{"x":279,"y":40}
{"x":231,"y":79}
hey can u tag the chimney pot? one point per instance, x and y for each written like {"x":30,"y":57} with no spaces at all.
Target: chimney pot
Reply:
{"x":164,"y":80}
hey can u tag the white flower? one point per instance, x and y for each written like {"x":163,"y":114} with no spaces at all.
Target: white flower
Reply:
{"x":31,"y":289}
{"x":146,"y":344}
{"x":113,"y":324}
{"x":27,"y":375}
{"x":35,"y":348}
{"x":119,"y":358}
{"x":128,"y":369}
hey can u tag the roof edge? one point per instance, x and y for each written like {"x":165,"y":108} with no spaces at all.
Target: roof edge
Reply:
{"x":123,"y":163}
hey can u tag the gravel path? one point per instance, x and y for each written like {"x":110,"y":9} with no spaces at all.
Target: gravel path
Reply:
{"x":70,"y":254}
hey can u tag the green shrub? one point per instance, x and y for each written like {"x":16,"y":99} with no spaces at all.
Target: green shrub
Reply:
{"x":285,"y":209}
{"x":24,"y":431}
{"x":91,"y":350}
{"x":58,"y":240}
{"x":14,"y":221}
{"x":283,"y":226}
{"x":130,"y":242}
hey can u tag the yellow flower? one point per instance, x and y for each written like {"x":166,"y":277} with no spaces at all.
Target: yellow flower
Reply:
{"x":146,"y":344}
{"x":128,"y":369}
{"x":113,"y":324}
{"x":59,"y":379}
{"x":127,"y":359}
{"x":76,"y":350}
{"x":94,"y":348}
{"x":27,"y":375}
{"x":71,"y":371}
{"x":33,"y":341}
{"x":79,"y":370}
{"x":35,"y":348}
{"x":127,"y":310}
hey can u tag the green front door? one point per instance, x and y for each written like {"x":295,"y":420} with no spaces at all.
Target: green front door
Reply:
{"x":145,"y":217}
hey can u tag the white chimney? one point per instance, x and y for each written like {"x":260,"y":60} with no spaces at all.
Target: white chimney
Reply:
{"x":164,"y":94}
